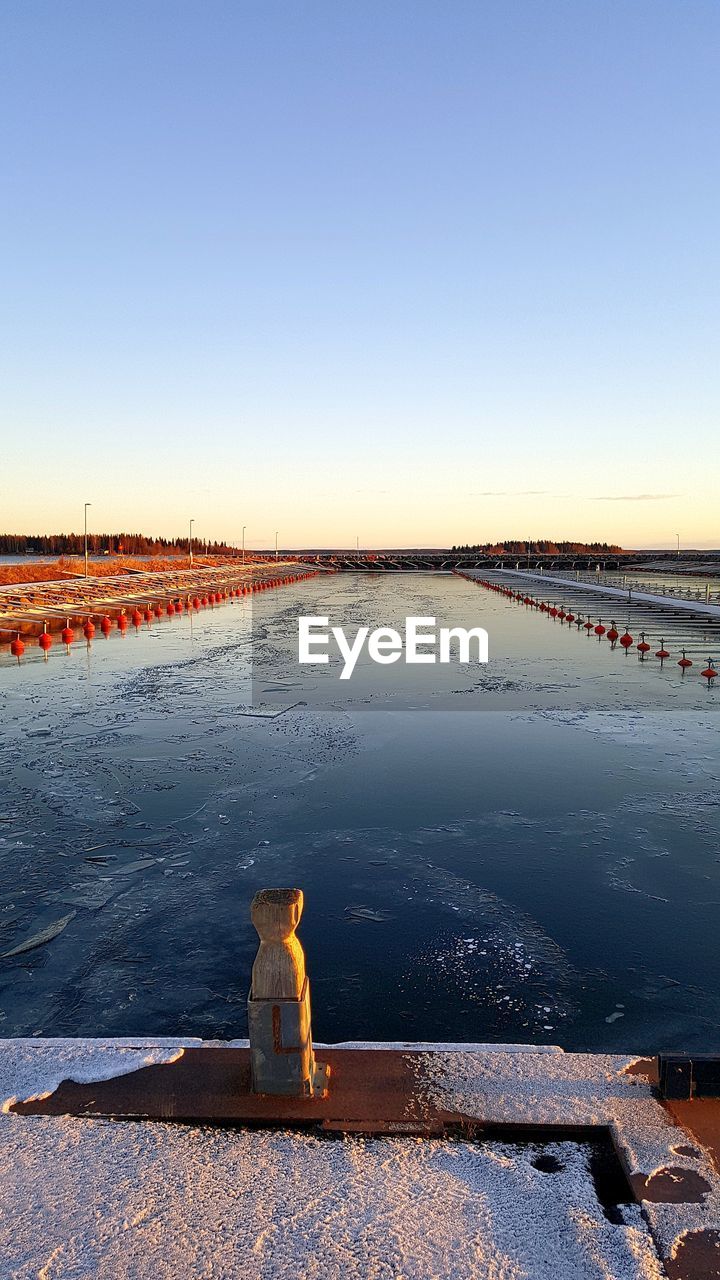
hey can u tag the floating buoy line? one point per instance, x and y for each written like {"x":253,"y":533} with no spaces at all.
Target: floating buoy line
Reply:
{"x":144,"y":616}
{"x":558,"y":613}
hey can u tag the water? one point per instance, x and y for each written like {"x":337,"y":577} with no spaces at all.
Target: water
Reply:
{"x":528,"y":851}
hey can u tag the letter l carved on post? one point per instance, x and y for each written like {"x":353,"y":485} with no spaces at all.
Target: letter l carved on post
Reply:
{"x":279,"y":1002}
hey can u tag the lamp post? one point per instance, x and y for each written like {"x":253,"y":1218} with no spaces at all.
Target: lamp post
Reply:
{"x":243,"y":540}
{"x":276,"y":538}
{"x":87,"y":504}
{"x":190,"y":543}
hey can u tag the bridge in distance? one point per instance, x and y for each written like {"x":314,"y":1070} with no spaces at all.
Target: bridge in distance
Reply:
{"x":695,"y":562}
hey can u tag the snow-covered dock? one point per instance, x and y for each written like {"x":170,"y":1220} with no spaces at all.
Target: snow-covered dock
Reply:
{"x":514,"y":1193}
{"x":627,"y":594}
{"x":25,"y":606}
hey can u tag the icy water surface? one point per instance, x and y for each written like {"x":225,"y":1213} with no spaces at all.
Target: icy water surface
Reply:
{"x":526,"y":851}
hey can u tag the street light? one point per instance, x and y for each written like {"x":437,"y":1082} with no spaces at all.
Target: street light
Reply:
{"x":244,"y":528}
{"x":87,"y":504}
{"x":191,"y":553}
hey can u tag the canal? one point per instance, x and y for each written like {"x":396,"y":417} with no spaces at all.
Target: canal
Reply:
{"x":525,"y":851}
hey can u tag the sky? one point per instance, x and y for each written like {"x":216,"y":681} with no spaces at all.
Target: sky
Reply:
{"x":403,"y":273}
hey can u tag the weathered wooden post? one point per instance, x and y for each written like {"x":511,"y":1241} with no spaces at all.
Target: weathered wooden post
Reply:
{"x":279,"y":1002}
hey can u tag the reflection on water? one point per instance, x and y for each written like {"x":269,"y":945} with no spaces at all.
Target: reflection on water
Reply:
{"x":544,"y":867}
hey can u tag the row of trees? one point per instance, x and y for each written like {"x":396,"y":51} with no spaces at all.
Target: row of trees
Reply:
{"x":128,"y":544}
{"x":541,"y":546}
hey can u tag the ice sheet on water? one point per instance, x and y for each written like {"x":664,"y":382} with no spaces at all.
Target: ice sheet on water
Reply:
{"x":367,"y":913}
{"x":92,"y":895}
{"x":41,"y":938}
{"x":636,"y":726}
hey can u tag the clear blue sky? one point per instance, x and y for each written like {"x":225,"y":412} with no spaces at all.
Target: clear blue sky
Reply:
{"x":416,"y":272}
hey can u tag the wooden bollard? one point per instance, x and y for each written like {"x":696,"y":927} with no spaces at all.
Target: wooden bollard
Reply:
{"x":279,"y":1002}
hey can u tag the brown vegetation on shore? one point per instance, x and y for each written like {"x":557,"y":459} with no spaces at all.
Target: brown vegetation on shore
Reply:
{"x":74,"y":566}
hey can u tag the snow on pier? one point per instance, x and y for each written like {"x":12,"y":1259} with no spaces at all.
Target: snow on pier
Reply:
{"x":708,"y":607}
{"x":26,"y":606}
{"x":99,"y":1198}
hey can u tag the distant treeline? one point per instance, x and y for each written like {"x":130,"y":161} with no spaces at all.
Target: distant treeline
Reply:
{"x":541,"y":547}
{"x":128,"y":544}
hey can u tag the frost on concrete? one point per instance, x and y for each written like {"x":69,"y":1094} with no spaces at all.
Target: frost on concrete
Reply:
{"x":92,"y":1198}
{"x":30,"y":1068}
{"x":145,"y":1201}
{"x":584,"y":1089}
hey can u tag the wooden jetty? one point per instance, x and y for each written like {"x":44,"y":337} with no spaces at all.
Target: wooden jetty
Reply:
{"x":25,"y":608}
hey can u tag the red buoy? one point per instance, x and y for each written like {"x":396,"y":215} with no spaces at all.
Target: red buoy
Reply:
{"x":89,"y":629}
{"x":662,"y":652}
{"x":599,"y":630}
{"x":588,"y":626}
{"x":709,"y":673}
{"x":569,"y":617}
{"x":158,"y":611}
{"x":643,"y":646}
{"x":122,"y":622}
{"x":17,"y":648}
{"x":170,"y":608}
{"x":67,"y":634}
{"x":45,"y":641}
{"x":626,"y":640}
{"x":613,"y":634}
{"x":136,"y":618}
{"x":684,"y":662}
{"x":106,"y":626}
